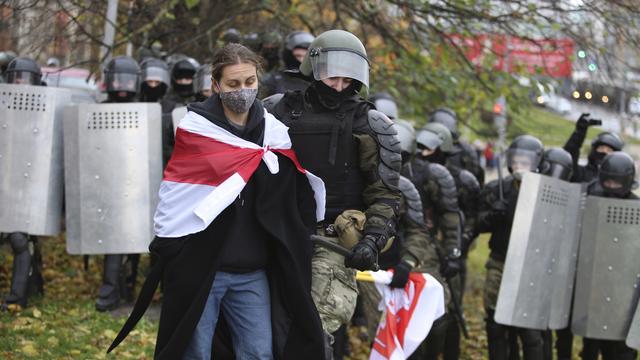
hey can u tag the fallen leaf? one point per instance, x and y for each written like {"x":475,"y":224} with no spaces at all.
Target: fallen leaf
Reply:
{"x":36,"y":313}
{"x":29,"y":349}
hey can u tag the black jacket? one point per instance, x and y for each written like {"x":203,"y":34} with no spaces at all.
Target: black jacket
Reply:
{"x":581,"y":173}
{"x":498,"y":223}
{"x":284,"y":207}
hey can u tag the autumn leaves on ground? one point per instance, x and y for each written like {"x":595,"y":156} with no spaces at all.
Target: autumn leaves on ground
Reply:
{"x":64,"y":324}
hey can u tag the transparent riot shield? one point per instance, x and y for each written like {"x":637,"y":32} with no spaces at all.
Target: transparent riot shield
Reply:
{"x":535,"y":291}
{"x":113,"y":169}
{"x":31,"y":167}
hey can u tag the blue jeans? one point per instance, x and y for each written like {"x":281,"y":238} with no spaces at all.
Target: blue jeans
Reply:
{"x":245,"y":301}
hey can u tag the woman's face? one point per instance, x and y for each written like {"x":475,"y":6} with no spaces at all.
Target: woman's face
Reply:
{"x":237,"y":77}
{"x":338,"y":83}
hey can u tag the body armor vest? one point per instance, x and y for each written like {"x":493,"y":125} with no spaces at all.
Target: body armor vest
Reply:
{"x":325,"y":145}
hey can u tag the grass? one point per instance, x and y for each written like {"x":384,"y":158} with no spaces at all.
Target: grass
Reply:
{"x":64,"y":323}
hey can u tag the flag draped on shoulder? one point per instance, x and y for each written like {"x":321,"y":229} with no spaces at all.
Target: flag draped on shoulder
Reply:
{"x":407,"y":314}
{"x":209,"y":168}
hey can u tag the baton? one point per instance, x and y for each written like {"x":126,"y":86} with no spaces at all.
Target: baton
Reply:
{"x":500,"y":186}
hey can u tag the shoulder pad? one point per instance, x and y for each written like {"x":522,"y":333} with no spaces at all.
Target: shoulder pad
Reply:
{"x":447,"y":185}
{"x":468,"y":180}
{"x":270,"y":102}
{"x":412,"y":198}
{"x":380,"y":123}
{"x":390,"y":158}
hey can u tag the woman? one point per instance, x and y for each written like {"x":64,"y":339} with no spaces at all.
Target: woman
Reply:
{"x":233,"y":223}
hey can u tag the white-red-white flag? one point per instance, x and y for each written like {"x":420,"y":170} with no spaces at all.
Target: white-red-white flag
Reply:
{"x":407,"y":314}
{"x":209,"y":168}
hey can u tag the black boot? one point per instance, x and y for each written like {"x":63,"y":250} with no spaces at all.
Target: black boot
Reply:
{"x":497,"y":339}
{"x":109,"y":293}
{"x":36,"y":281}
{"x":21,"y":269}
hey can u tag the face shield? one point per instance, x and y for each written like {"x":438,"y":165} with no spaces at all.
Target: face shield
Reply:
{"x":559,"y":171}
{"x":23,"y":78}
{"x":204,"y":83}
{"x":155,"y":73}
{"x":522,"y":161}
{"x":117,"y":82}
{"x":339,"y":62}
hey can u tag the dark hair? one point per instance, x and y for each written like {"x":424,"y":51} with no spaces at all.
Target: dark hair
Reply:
{"x":232,"y":54}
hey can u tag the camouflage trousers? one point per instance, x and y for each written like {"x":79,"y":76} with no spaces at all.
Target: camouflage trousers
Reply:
{"x":492,"y":284}
{"x":333,"y":288}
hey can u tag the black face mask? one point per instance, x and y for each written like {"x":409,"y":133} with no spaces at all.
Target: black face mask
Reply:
{"x":437,"y":157}
{"x":116,"y":98}
{"x":183,"y":90}
{"x":152,"y":94}
{"x":595,"y":157}
{"x":331,"y":98}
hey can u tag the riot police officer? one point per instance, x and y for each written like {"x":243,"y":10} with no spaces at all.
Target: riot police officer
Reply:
{"x":26,"y":275}
{"x":339,"y":137}
{"x":439,"y":195}
{"x":464,"y":155}
{"x":155,"y":80}
{"x":497,"y":208}
{"x":557,"y":163}
{"x":605,"y":143}
{"x":202,"y":83}
{"x":180,"y":94}
{"x":295,"y":48}
{"x":616,"y":179}
{"x":122,"y":76}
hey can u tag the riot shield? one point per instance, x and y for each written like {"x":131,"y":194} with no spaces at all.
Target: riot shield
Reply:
{"x":633,"y":337}
{"x":31,"y":167}
{"x":608,"y":272}
{"x":113,"y":169}
{"x":537,"y":272}
{"x":177,"y":115}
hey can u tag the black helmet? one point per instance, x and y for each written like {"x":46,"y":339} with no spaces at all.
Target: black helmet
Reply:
{"x":446,"y":117}
{"x":617,"y":174}
{"x":184,"y":69}
{"x":295,"y":40}
{"x":253,"y":42}
{"x":23,"y":70}
{"x":122,"y":74}
{"x":385,"y":103}
{"x":231,"y":35}
{"x":525,"y":150}
{"x":157,"y":70}
{"x":557,"y":163}
{"x":609,"y":139}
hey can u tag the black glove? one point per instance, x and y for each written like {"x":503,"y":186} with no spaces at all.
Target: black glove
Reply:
{"x":584,"y":121}
{"x":451,"y":267}
{"x":364,"y":255}
{"x":400,"y":275}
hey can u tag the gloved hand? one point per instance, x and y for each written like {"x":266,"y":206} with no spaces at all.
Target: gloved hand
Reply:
{"x":585,"y":121}
{"x":364,"y":255}
{"x":400,"y":275}
{"x":451,"y":267}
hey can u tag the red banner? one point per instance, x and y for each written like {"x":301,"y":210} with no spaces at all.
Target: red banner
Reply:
{"x":551,"y":57}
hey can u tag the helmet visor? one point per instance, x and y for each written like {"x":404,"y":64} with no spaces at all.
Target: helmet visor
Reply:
{"x":156,"y":73}
{"x":387,"y":107}
{"x":523,"y":160}
{"x":428,"y":139}
{"x":560,"y":171}
{"x":299,"y":40}
{"x":203,"y":83}
{"x":23,"y":78}
{"x":122,"y":82}
{"x":327,"y":63}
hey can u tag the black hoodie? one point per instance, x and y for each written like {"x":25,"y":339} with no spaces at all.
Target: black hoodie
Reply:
{"x":245,"y":232}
